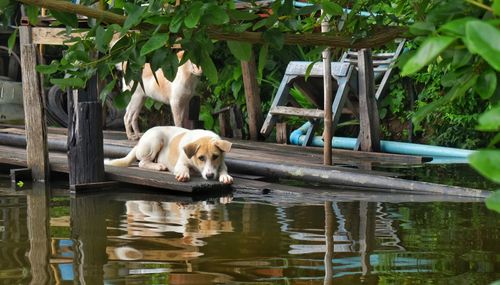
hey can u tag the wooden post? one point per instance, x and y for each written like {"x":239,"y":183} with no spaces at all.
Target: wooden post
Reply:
{"x":85,"y":138}
{"x":369,"y":134}
{"x":327,"y":82}
{"x":34,"y":113}
{"x":281,"y":133}
{"x":39,"y":234}
{"x":255,"y":117}
{"x":225,"y":128}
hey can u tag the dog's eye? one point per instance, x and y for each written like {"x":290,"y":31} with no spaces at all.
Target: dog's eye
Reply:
{"x":215,"y":157}
{"x":201,"y":158}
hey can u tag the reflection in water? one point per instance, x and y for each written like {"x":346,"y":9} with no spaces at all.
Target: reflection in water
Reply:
{"x":168,"y":241}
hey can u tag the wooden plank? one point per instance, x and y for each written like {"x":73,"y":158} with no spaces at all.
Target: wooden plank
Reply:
{"x":301,"y":112}
{"x":118,"y":148}
{"x":36,"y":129}
{"x":369,"y":135}
{"x":299,"y":68}
{"x":132,"y":175}
{"x":252,"y":97}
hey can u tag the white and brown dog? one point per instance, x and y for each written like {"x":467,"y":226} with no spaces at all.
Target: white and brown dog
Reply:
{"x":177,"y":94}
{"x":179,"y":150}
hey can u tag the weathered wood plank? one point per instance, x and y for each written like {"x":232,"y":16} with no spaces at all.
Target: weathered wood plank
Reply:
{"x":132,"y":175}
{"x":301,"y":112}
{"x":34,"y":113}
{"x":252,"y":97}
{"x":369,"y":135}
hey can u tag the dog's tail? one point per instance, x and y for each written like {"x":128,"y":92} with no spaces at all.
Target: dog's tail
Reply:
{"x":123,"y":162}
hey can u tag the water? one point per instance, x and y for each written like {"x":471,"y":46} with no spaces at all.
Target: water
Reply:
{"x":129,"y":236}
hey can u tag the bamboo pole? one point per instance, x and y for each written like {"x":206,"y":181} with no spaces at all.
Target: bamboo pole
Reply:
{"x":327,"y":93}
{"x":378,"y":38}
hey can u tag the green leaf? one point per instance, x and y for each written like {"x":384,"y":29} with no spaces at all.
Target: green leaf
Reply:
{"x":484,"y":39}
{"x":209,"y":68}
{"x":496,"y":7}
{"x":176,"y":23}
{"x":12,"y":41}
{"x":67,"y":19}
{"x":103,"y":37}
{"x":456,"y":27}
{"x":68,"y":82}
{"x":241,"y":15}
{"x":158,"y":20}
{"x":32,"y":12}
{"x":215,"y":15}
{"x":493,"y":203}
{"x":286,"y":8}
{"x":274,"y":37}
{"x":149,"y":103}
{"x":308,"y":9}
{"x":486,"y":84}
{"x":422,"y":28}
{"x":490,"y":120}
{"x":155,"y":42}
{"x":107,"y":90}
{"x":464,"y":84}
{"x":46,"y":69}
{"x":262,"y":59}
{"x":427,"y":52}
{"x":487,"y":162}
{"x":241,"y":50}
{"x":193,"y":16}
{"x":170,"y":66}
{"x":122,"y":99}
{"x":135,"y":14}
{"x":332,"y":8}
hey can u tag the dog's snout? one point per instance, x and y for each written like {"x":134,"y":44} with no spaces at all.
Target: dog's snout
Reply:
{"x":210,"y":176}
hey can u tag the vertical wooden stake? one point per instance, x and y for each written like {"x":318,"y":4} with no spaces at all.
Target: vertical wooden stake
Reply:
{"x":369,"y":135}
{"x":34,"y":113}
{"x":327,"y":82}
{"x":255,"y":117}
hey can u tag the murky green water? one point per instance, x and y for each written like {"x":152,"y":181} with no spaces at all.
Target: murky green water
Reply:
{"x":131,"y":237}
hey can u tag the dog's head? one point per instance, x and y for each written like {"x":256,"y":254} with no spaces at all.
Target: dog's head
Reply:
{"x":207,"y":155}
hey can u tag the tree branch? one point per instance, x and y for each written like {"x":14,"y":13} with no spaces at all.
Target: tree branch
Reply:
{"x":381,"y":37}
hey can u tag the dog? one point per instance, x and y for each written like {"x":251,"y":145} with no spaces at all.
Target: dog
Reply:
{"x":178,"y":150}
{"x":177,"y":94}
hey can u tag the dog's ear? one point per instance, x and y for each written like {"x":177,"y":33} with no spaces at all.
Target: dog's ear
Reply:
{"x":191,"y":149}
{"x":223,"y":145}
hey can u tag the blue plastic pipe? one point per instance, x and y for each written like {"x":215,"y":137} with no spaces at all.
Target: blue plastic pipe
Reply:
{"x":297,"y":137}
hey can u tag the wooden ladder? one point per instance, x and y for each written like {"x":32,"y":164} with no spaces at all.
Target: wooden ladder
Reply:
{"x":345,"y":73}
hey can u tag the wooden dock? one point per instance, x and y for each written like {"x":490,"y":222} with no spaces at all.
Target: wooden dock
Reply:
{"x":246,"y":161}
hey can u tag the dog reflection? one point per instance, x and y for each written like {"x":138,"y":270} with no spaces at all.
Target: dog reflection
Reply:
{"x":179,"y":229}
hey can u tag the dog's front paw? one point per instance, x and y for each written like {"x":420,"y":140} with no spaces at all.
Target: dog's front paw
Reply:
{"x":182,"y":176}
{"x":226,"y":179}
